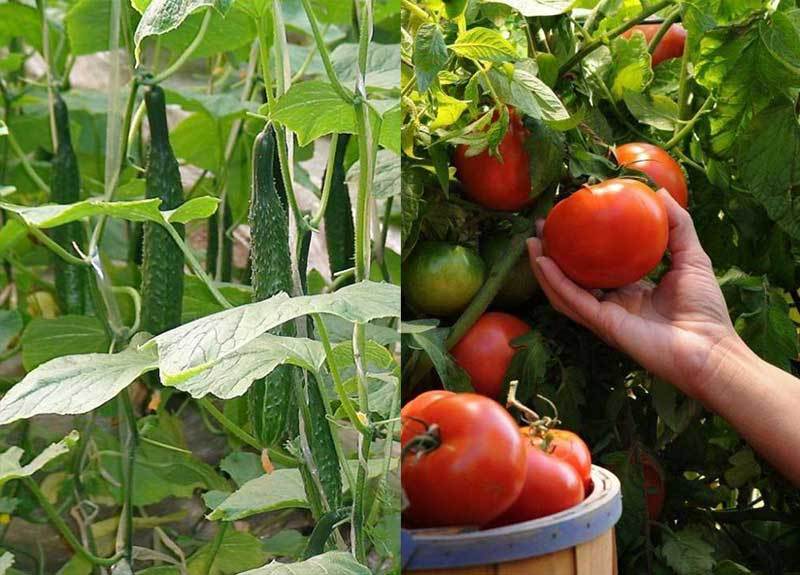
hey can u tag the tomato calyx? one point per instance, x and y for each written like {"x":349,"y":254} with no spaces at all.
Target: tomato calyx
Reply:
{"x":423,"y":443}
{"x":538,"y":425}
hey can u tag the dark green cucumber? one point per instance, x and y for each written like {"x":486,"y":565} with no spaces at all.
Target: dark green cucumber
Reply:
{"x":65,"y":184}
{"x":339,"y":228}
{"x":162,"y":259}
{"x":271,"y":400}
{"x":321,"y":444}
{"x":212,"y":251}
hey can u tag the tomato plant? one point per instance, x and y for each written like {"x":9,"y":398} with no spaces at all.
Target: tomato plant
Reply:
{"x":607,"y":235}
{"x":485,"y":352}
{"x":712,"y":87}
{"x":154,"y":157}
{"x":453,"y":479}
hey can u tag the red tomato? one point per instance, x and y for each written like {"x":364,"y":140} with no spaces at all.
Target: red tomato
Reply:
{"x":409,"y":415}
{"x":485,"y":351}
{"x":494,"y":183}
{"x":477,"y":471}
{"x":607,"y":235}
{"x":569,"y":447}
{"x":654,"y":488}
{"x":657,"y":165}
{"x":551,"y":485}
{"x":670,"y":46}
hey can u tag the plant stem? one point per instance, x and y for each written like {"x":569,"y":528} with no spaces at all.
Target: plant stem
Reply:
{"x":683,"y":87}
{"x":57,"y":249}
{"x":324,"y":54}
{"x":665,"y":25}
{"x":275,"y":455}
{"x":338,"y":384}
{"x":64,"y":530}
{"x":687,"y":128}
{"x":129,"y":439}
{"x":189,"y":50}
{"x":416,"y":10}
{"x":196,"y":267}
{"x":26,"y":165}
{"x":326,"y":185}
{"x":217,"y":543}
{"x":590,"y":47}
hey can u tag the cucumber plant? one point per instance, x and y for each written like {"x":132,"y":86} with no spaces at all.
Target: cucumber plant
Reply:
{"x":212,"y":328}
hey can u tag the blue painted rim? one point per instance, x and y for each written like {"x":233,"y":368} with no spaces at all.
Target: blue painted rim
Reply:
{"x":426,"y":549}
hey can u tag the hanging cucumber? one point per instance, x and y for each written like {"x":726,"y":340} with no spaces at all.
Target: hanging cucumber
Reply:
{"x":65,"y":183}
{"x":339,"y":230}
{"x":162,"y":260}
{"x":321,"y":444}
{"x":271,"y":401}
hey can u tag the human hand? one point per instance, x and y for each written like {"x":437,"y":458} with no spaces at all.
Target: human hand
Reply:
{"x":679,"y":330}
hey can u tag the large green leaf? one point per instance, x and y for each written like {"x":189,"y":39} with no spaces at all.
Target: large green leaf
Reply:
{"x":234,"y":374}
{"x":281,"y":489}
{"x":75,"y":383}
{"x":188,"y":350}
{"x":162,"y":16}
{"x":383,"y":65}
{"x":53,"y":215}
{"x":330,"y":113}
{"x":45,"y":339}
{"x":10,"y":467}
{"x":484,"y":44}
{"x":337,"y":562}
{"x":430,"y":54}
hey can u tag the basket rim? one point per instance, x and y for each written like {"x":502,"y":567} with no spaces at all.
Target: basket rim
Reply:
{"x":428,"y":549}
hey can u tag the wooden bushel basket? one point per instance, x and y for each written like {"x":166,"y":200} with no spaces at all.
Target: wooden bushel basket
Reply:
{"x":578,"y":541}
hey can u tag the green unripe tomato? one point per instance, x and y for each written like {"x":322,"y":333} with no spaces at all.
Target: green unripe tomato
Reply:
{"x":440,"y":279}
{"x":520,"y":285}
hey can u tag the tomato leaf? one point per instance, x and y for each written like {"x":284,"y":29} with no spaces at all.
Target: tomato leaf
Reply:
{"x":430,"y":55}
{"x":484,"y":44}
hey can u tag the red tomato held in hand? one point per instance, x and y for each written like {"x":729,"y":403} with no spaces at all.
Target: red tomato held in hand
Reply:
{"x":498,"y":184}
{"x":607,"y":235}
{"x":477,"y":471}
{"x":670,"y":46}
{"x":485,"y":351}
{"x":657,"y":165}
{"x":551,"y":485}
{"x":569,"y":447}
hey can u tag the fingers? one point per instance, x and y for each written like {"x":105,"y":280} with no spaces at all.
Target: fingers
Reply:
{"x":684,"y":245}
{"x":568,"y":298}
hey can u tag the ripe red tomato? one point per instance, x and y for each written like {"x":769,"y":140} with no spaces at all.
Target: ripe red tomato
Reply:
{"x":476,"y":472}
{"x":654,"y":488}
{"x":607,"y":235}
{"x":657,"y":165}
{"x":569,"y":447}
{"x":551,"y":486}
{"x":670,"y":46}
{"x":485,"y":351}
{"x":494,"y":183}
{"x":409,"y":415}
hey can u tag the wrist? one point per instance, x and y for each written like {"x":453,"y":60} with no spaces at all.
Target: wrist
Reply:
{"x":729,"y":363}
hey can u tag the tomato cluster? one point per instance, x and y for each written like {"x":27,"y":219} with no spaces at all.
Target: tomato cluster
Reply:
{"x":512,"y":474}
